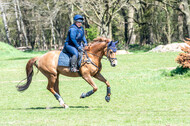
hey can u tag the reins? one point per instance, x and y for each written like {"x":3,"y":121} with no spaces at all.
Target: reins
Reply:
{"x":90,"y":61}
{"x":95,"y":55}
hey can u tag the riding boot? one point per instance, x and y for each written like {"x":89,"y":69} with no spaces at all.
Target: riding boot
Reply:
{"x":74,"y":64}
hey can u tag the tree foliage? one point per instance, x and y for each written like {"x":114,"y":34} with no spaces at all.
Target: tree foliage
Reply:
{"x":44,"y":24}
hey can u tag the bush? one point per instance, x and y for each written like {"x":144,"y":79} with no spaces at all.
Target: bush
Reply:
{"x":92,"y":32}
{"x":137,"y":47}
{"x":184,"y":58}
{"x":178,"y":71}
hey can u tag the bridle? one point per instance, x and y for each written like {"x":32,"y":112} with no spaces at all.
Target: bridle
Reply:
{"x":114,"y":50}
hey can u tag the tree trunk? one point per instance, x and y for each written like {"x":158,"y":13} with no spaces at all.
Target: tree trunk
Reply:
{"x":22,"y":23}
{"x":44,"y":40}
{"x":167,"y":29}
{"x":52,"y":30}
{"x":180,"y":24}
{"x":103,"y":30}
{"x":187,"y":15}
{"x":5,"y":23}
{"x":71,"y":15}
{"x":125,"y":23}
{"x":18,"y":24}
{"x":131,"y":35}
{"x":110,"y":30}
{"x":151,"y":36}
{"x":169,"y":32}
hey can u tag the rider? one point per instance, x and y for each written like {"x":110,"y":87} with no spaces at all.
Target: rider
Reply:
{"x":73,"y":43}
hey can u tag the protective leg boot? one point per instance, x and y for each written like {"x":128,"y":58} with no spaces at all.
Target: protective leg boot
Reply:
{"x":74,"y":64}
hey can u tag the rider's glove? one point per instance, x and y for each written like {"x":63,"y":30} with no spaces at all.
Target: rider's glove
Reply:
{"x":80,"y":49}
{"x":86,"y":44}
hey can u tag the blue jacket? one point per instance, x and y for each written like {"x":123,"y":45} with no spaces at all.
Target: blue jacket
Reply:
{"x":75,"y":36}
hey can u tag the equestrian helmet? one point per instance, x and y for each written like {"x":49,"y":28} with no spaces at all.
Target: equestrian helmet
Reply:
{"x":78,"y":18}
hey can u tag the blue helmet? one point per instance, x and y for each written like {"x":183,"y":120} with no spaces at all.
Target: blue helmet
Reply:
{"x":78,"y":18}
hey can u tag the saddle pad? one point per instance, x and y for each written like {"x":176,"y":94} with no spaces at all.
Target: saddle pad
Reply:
{"x":64,"y":59}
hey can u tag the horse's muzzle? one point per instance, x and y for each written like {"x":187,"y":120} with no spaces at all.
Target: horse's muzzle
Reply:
{"x":114,"y":63}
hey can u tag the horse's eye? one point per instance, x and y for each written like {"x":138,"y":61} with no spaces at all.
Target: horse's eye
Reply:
{"x":111,"y":52}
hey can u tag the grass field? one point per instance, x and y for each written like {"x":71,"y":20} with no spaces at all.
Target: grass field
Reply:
{"x":141,"y":94}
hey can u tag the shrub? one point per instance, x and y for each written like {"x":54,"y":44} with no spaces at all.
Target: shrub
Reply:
{"x":178,"y":71}
{"x":184,"y":58}
{"x":92,"y":32}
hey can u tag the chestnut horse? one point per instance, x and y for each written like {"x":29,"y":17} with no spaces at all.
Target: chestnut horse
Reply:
{"x":90,"y":67}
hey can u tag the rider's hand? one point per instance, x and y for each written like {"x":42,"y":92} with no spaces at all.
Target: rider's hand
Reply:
{"x":86,"y":48}
{"x":86,"y":44}
{"x":80,"y":49}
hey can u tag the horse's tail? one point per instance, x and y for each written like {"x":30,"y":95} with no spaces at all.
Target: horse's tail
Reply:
{"x":29,"y":73}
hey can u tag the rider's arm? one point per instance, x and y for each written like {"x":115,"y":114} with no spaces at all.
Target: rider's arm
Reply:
{"x":73,"y":33}
{"x":84,"y":40}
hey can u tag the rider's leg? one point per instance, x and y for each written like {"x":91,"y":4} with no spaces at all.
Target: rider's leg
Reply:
{"x":73,"y":51}
{"x":74,"y":63}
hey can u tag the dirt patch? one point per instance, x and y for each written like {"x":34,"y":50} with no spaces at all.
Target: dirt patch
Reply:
{"x":174,"y":47}
{"x":121,"y":52}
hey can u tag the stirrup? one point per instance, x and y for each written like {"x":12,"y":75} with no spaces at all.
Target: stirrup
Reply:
{"x":74,"y":70}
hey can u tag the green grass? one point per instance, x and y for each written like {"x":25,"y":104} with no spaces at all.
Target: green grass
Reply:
{"x":10,"y":53}
{"x":141,"y":95}
{"x":140,"y":48}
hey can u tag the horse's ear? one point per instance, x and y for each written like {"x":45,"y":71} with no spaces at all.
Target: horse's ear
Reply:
{"x":116,"y":42}
{"x":110,"y":43}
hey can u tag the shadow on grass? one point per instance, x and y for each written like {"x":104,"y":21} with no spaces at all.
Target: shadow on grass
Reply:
{"x":43,"y":108}
{"x":19,"y":58}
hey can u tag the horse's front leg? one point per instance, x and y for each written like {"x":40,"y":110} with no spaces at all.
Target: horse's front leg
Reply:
{"x":89,"y":79}
{"x":101,"y":78}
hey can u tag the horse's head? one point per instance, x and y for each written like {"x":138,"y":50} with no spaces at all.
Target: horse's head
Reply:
{"x":110,"y":53}
{"x":103,"y":46}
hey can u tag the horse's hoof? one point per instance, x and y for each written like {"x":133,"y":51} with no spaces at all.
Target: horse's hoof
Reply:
{"x":83,"y":95}
{"x":107,"y":98}
{"x":66,"y":106}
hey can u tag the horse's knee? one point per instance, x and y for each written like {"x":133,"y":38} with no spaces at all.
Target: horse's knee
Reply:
{"x":95,"y":89}
{"x":107,"y":83}
{"x":48,"y":88}
{"x":51,"y":89}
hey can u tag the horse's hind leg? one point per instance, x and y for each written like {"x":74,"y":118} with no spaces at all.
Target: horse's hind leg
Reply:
{"x":56,"y":86}
{"x":53,"y":87}
{"x":88,"y":79}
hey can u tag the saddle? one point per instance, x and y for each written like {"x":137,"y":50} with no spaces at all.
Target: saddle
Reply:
{"x":65,"y":57}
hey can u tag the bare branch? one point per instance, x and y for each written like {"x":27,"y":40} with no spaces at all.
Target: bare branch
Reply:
{"x":86,"y":14}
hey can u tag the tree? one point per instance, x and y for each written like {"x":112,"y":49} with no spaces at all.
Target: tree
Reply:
{"x":180,"y":22}
{"x":185,"y":9}
{"x":5,"y":22}
{"x":101,"y":12}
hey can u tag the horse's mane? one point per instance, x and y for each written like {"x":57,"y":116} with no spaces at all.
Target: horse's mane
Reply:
{"x":99,"y":40}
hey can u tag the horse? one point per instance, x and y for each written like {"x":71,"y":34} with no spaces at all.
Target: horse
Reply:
{"x":91,"y":66}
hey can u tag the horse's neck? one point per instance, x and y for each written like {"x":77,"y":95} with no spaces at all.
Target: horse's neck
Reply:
{"x":98,"y":51}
